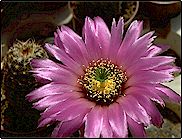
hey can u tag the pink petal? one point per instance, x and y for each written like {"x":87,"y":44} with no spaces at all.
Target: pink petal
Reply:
{"x":169,"y":92}
{"x":136,"y":129}
{"x":57,"y":41}
{"x":77,"y":39}
{"x":106,"y":127}
{"x":152,"y":51}
{"x":153,"y":90}
{"x":50,"y":113}
{"x":82,"y":106}
{"x":133,"y":109}
{"x":117,"y":120}
{"x":155,"y":50}
{"x":48,"y":70}
{"x":150,"y":108}
{"x":148,"y":77}
{"x":65,"y":129}
{"x":73,"y":49}
{"x":63,"y":57}
{"x":163,"y":47}
{"x":56,"y":130}
{"x":116,"y":38}
{"x":94,"y":122}
{"x":135,"y":50}
{"x":45,"y":122}
{"x":43,"y":63}
{"x":167,"y":69}
{"x":104,"y":35}
{"x":60,"y":75}
{"x":131,"y":36}
{"x":72,"y":33}
{"x":54,"y":99}
{"x":91,"y":39}
{"x":41,"y":80}
{"x":48,"y":101}
{"x":132,"y":33}
{"x":51,"y":89}
{"x":149,"y":63}
{"x":147,"y":90}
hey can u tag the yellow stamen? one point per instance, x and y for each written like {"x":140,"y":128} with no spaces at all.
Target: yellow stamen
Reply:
{"x":102,"y":81}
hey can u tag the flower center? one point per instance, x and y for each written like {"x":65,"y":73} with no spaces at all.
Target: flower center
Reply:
{"x":102,"y":81}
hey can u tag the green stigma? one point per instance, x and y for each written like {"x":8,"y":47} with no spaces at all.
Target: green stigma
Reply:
{"x":101,"y":74}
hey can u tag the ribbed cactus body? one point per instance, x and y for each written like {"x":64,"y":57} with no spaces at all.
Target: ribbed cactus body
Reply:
{"x":17,"y":82}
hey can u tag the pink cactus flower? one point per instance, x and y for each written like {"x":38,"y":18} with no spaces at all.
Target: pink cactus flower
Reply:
{"x":104,"y":82}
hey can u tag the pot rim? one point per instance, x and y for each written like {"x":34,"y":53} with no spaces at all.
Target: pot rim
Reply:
{"x":164,"y":2}
{"x":134,"y":14}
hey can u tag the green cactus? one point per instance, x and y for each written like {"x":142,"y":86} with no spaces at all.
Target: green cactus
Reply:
{"x":17,"y":82}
